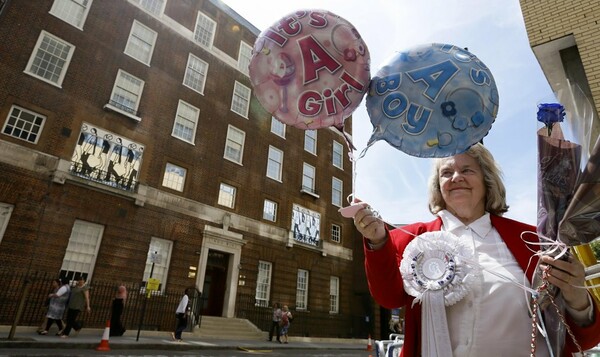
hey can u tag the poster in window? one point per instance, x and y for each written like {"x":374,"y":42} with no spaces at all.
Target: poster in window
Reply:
{"x":306,"y":225}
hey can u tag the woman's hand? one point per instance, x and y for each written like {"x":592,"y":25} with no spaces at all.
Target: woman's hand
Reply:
{"x":369,"y":224}
{"x":569,"y":277}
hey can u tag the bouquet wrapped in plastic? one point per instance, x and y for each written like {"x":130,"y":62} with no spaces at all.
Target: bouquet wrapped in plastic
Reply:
{"x":568,"y":193}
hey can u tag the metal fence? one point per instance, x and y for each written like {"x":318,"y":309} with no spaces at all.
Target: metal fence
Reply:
{"x":307,"y":323}
{"x":32,"y":289}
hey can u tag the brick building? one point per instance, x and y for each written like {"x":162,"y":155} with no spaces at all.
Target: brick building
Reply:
{"x":132,"y":147}
{"x":565,"y":38}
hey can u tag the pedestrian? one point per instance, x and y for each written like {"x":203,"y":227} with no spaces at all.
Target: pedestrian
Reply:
{"x":276,"y":317}
{"x":57,"y":301}
{"x":78,"y":302}
{"x":467,"y":194}
{"x":286,"y":319}
{"x":118,"y":305}
{"x":181,"y":314}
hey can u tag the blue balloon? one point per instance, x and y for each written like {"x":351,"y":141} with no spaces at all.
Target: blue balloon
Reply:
{"x":434,"y":100}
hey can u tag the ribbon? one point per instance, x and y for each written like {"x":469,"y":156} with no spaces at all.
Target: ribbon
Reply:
{"x":437,"y":270}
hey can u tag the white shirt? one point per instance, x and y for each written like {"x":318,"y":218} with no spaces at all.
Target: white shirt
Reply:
{"x":493,"y":319}
{"x":181,"y":309}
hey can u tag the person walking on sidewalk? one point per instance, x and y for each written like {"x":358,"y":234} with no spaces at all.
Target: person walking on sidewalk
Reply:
{"x":182,"y":315}
{"x":56,"y":305}
{"x":286,"y":319}
{"x":118,"y":304}
{"x":79,"y":301}
{"x":275,"y":322}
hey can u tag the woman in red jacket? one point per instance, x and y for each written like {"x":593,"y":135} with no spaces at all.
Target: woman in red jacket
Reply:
{"x":492,"y":317}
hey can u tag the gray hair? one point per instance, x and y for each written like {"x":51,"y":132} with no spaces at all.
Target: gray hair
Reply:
{"x":495,"y":192}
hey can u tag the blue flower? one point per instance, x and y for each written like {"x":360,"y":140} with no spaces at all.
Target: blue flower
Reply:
{"x":550,"y":113}
{"x":448,"y":109}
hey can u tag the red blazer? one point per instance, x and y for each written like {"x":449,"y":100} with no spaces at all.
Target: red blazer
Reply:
{"x":382,"y":268}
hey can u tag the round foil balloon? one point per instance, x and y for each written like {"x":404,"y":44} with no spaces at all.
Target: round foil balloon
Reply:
{"x":310,"y":69}
{"x":434,"y":100}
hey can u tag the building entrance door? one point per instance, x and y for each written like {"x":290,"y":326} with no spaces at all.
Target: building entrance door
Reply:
{"x":215,"y":281}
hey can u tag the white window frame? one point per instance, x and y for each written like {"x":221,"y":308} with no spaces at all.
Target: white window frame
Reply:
{"x":309,"y":174}
{"x":233,"y":145}
{"x":334,"y":295}
{"x":195,"y":74}
{"x":277,"y":127}
{"x":172,"y":178}
{"x":272,"y":160}
{"x":155,"y":7}
{"x":5,"y":213}
{"x":263,"y":283}
{"x":24,"y":125}
{"x":141,"y":42}
{"x":240,"y":99}
{"x":302,"y":290}
{"x":227,"y":195}
{"x":336,"y":233}
{"x":310,"y":141}
{"x":71,"y":11}
{"x":164,"y":248}
{"x":337,"y":158}
{"x":82,"y":250}
{"x":204,"y":30}
{"x":131,"y":90}
{"x":185,"y":122}
{"x":337,"y":191}
{"x":44,"y":52}
{"x":270,"y":210}
{"x":244,"y":57}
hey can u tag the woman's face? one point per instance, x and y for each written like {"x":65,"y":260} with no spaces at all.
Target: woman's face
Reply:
{"x":462,"y":187}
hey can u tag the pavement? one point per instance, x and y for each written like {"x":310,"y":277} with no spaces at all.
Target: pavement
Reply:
{"x":87,"y":338}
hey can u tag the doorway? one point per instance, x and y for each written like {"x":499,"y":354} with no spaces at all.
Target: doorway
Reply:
{"x":213,"y":292}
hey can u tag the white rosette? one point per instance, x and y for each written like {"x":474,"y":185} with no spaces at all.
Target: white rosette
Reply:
{"x":437,"y":270}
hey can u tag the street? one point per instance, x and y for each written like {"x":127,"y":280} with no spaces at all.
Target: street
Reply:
{"x":196,"y":353}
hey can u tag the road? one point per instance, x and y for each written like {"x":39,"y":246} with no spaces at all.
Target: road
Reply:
{"x":195,"y":353}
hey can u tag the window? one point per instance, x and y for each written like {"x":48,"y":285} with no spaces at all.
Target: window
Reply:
{"x":274,"y":163}
{"x":73,"y":12}
{"x":338,"y":155}
{"x":308,"y":178}
{"x":310,"y":141}
{"x":140,"y":44}
{"x":336,"y":233}
{"x":186,"y":121}
{"x":205,"y":30}
{"x":5,"y":212}
{"x":155,"y":7}
{"x":226,"y":195}
{"x":159,"y":255}
{"x":277,"y":127}
{"x":244,"y":57}
{"x":337,"y":187}
{"x":24,"y":124}
{"x":80,"y":256}
{"x":126,"y":93}
{"x":302,"y":290}
{"x":50,"y":59}
{"x":234,"y":147}
{"x":334,"y":293}
{"x":195,"y":74}
{"x":174,"y":177}
{"x":263,"y":283}
{"x":270,"y":211}
{"x":240,"y":103}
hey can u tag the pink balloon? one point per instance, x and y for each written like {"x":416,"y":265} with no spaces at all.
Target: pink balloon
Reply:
{"x":310,"y":69}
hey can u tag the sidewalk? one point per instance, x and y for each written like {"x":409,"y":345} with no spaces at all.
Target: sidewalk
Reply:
{"x":27,"y":337}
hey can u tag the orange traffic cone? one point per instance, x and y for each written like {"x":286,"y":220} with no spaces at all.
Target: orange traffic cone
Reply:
{"x":370,"y":344}
{"x":103,"y":346}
